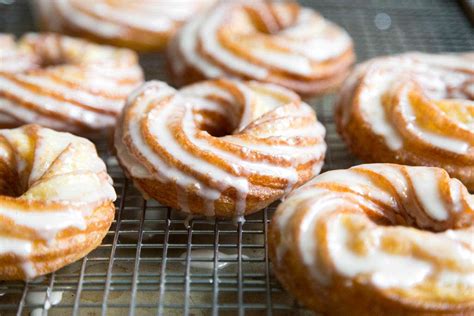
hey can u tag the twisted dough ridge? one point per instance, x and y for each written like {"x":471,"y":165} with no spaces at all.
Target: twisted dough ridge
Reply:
{"x":56,"y":201}
{"x":221,"y":148}
{"x":64,"y":83}
{"x":414,"y":109}
{"x":145,"y":25}
{"x":281,"y":43}
{"x":378,"y":239}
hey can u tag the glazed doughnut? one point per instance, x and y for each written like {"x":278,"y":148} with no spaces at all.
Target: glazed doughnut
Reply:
{"x":413,"y":109}
{"x":56,"y":201}
{"x":145,"y":25}
{"x":280,"y":43}
{"x":64,"y":83}
{"x":379,"y":239}
{"x":222,"y":148}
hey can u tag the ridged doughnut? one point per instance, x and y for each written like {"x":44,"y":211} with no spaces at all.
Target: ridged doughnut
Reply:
{"x":145,"y":25}
{"x":414,"y":109}
{"x":64,"y":83}
{"x":277,"y":42}
{"x":378,"y":239}
{"x":56,"y":201}
{"x":221,"y":148}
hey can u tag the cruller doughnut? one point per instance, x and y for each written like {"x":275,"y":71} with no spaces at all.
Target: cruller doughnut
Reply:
{"x":277,"y":42}
{"x":64,"y":83}
{"x":222,"y":148}
{"x":378,"y":239}
{"x":56,"y":201}
{"x":414,"y":109}
{"x":144,"y":25}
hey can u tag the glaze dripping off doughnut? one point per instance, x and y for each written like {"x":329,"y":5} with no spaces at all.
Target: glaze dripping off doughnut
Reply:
{"x":414,"y":109}
{"x":275,"y":42}
{"x":56,"y":201}
{"x":222,"y":148}
{"x":377,"y":239}
{"x":64,"y":83}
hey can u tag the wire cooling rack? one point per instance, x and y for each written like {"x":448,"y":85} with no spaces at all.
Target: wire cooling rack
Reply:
{"x":154,"y":261}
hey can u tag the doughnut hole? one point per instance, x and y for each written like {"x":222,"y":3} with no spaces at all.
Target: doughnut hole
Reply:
{"x":12,"y":183}
{"x":215,"y":123}
{"x":224,"y":117}
{"x":9,"y":181}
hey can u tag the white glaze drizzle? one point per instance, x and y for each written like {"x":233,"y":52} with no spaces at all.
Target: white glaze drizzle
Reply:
{"x":298,"y":46}
{"x":437,"y":75}
{"x":115,"y":19}
{"x":62,"y":191}
{"x":182,"y":105}
{"x":441,"y":141}
{"x":387,"y":270}
{"x":370,"y":99}
{"x":19,"y":247}
{"x":46,"y":223}
{"x":211,"y":44}
{"x":95,"y":120}
{"x":383,"y":268}
{"x":101,"y":77}
{"x":162,"y":171}
{"x":427,"y":190}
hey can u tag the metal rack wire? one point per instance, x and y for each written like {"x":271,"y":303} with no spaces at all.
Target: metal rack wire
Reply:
{"x":154,"y":261}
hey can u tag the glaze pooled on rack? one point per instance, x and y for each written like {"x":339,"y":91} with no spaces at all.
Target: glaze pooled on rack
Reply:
{"x":378,"y":239}
{"x":139,"y":24}
{"x":281,"y":43}
{"x":415,"y":109}
{"x":218,"y":148}
{"x":56,"y":201}
{"x":64,"y":83}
